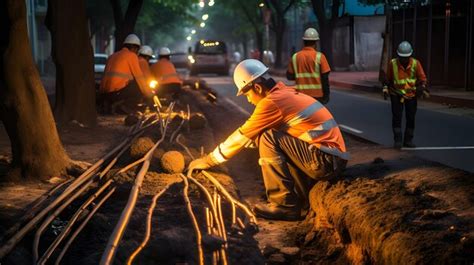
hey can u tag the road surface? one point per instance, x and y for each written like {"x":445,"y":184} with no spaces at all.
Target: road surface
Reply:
{"x":443,"y":137}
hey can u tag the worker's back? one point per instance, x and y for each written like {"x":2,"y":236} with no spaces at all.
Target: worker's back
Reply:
{"x":121,"y":67}
{"x":165,"y":72}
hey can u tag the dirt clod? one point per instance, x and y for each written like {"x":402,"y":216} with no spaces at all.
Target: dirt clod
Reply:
{"x":130,"y":120}
{"x":290,"y":251}
{"x":172,"y":162}
{"x":140,"y":146}
{"x":197,"y":121}
{"x":378,"y":160}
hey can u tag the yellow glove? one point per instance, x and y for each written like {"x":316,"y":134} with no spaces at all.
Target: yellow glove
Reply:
{"x":202,"y":163}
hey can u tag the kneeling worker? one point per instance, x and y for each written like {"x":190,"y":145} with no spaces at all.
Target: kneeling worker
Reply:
{"x":165,"y":73}
{"x":298,"y":139}
{"x":123,"y":80}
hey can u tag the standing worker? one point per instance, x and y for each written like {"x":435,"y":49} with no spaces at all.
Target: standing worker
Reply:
{"x":405,"y":81}
{"x":123,"y":82}
{"x":298,"y":139}
{"x":165,"y":73}
{"x":310,"y":69}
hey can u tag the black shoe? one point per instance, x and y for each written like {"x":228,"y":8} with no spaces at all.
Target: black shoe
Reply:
{"x":409,"y":144}
{"x":274,"y":211}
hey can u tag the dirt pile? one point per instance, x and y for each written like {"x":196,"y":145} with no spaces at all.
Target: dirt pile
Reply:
{"x":172,"y":162}
{"x":140,"y":147}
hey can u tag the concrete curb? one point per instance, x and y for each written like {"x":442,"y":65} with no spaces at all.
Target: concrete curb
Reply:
{"x":455,"y":101}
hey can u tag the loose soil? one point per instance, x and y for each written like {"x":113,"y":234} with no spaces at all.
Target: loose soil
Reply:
{"x":388,"y":207}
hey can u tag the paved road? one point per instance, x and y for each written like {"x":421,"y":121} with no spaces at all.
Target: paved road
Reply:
{"x":370,"y":118}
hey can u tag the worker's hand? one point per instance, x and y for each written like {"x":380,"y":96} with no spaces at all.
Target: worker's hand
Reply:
{"x":202,"y":163}
{"x":426,"y":93}
{"x":325,"y":99}
{"x":385,"y":92}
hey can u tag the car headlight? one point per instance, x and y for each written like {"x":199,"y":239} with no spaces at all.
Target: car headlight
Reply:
{"x":191,"y":59}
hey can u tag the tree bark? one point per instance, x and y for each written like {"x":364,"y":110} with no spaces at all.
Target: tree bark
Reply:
{"x":326,"y":25}
{"x":37,"y":152}
{"x":73,"y":56}
{"x":279,"y":25}
{"x":125,"y":25}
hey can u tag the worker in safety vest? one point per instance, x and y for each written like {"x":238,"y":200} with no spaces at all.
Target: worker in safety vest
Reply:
{"x":310,"y":69}
{"x":405,"y":81}
{"x":123,"y":80}
{"x":169,"y":83}
{"x":144,"y":55}
{"x":298,"y":140}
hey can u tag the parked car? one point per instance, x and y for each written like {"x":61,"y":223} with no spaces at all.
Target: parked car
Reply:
{"x":180,"y":59}
{"x":210,"y":56}
{"x":100,"y":59}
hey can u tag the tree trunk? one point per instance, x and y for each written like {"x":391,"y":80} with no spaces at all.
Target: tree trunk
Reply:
{"x":73,"y":56}
{"x":259,"y":40}
{"x":327,"y":30}
{"x":125,"y":25}
{"x":37,"y":152}
{"x":279,"y":34}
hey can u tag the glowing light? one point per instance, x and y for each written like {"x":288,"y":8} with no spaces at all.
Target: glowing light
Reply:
{"x":261,"y":5}
{"x":188,"y":38}
{"x":153,"y":84}
{"x":205,"y":17}
{"x":217,"y":43}
{"x":202,"y":25}
{"x":211,"y":3}
{"x":193,"y":31}
{"x":201,"y":4}
{"x":191,"y":59}
{"x":202,"y":42}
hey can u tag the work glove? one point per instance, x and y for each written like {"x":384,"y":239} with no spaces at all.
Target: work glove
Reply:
{"x":422,"y":92}
{"x":202,"y":163}
{"x":385,"y":92}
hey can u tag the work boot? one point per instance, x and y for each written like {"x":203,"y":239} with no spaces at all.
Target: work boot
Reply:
{"x":273,"y":211}
{"x":408,"y":138}
{"x":397,"y":138}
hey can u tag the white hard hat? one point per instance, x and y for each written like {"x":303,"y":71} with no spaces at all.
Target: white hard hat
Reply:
{"x":404,"y":49}
{"x":311,"y":34}
{"x":132,"y":39}
{"x":246,"y":72}
{"x":146,"y":50}
{"x":165,"y":51}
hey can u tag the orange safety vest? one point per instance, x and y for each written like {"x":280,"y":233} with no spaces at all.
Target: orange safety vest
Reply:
{"x":405,"y":86}
{"x":121,"y":67}
{"x":144,"y":65}
{"x":165,"y":73}
{"x":307,"y":68}
{"x":294,"y":113}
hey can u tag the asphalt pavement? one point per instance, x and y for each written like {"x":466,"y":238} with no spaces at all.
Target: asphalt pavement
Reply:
{"x":445,"y":137}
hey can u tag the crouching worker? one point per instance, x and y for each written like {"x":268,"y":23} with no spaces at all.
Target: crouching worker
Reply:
{"x":298,"y":139}
{"x":167,"y":77}
{"x":123,"y":85}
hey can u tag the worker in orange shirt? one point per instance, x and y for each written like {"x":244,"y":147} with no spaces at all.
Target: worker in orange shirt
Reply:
{"x":310,"y":69}
{"x":405,"y":81}
{"x":298,"y":140}
{"x":123,"y":84}
{"x":145,"y":54}
{"x":169,"y":83}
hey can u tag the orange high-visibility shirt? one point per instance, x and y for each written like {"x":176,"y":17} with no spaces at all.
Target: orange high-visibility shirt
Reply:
{"x":296,"y":114}
{"x":145,"y":67}
{"x":408,"y":78}
{"x":308,"y":65}
{"x":121,"y":67}
{"x":165,"y":73}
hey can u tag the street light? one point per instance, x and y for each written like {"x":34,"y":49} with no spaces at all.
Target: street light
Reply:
{"x":205,"y":17}
{"x":193,"y":31}
{"x":211,"y":3}
{"x":188,"y":38}
{"x":201,"y":4}
{"x":202,"y":25}
{"x":261,"y":5}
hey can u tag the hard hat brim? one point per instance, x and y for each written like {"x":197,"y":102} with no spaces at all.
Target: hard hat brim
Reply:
{"x":310,"y":38}
{"x":404,"y":54}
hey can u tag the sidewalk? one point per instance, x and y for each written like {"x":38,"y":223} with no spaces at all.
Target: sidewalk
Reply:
{"x":368,"y":82}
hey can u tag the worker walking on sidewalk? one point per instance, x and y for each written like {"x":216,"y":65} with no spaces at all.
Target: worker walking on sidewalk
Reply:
{"x":123,"y":83}
{"x":298,"y":139}
{"x":165,"y":73}
{"x":310,"y":69}
{"x":405,"y":81}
